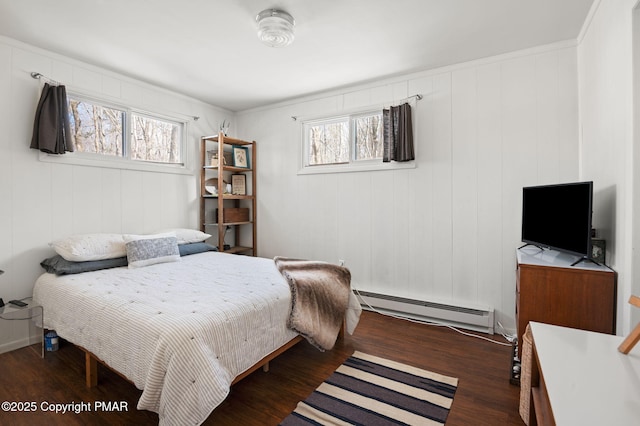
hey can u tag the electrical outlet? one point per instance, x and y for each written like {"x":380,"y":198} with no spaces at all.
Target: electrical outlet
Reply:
{"x":341,"y":262}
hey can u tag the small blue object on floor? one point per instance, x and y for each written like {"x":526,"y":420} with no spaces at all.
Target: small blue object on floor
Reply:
{"x":51,"y":341}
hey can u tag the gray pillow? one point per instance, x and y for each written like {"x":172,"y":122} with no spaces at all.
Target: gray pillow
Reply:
{"x":60,"y":266}
{"x":195,"y":248}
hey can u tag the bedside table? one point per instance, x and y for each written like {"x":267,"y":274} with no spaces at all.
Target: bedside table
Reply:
{"x":32,"y":313}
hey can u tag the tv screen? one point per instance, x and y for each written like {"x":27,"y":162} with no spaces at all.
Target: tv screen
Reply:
{"x":558,"y":217}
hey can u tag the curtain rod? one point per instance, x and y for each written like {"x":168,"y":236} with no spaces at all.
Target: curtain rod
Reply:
{"x":39,"y":76}
{"x":417,"y":96}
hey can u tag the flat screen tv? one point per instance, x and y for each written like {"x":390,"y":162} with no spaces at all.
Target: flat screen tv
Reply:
{"x":558,"y":217}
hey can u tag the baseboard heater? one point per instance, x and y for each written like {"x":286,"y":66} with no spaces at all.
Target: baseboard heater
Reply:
{"x":470,"y":318}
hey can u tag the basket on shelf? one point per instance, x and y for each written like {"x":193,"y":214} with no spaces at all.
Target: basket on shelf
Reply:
{"x":211,"y":186}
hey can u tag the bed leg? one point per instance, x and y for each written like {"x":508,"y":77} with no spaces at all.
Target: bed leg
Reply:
{"x":91,"y":370}
{"x":265,"y":367}
{"x":343,"y":331}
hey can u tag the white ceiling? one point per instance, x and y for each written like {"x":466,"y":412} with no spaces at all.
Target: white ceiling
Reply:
{"x":208,"y":49}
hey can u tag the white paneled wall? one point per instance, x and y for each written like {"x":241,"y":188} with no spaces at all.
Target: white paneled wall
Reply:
{"x":609,"y":139}
{"x":448,"y":229}
{"x":41,"y":201}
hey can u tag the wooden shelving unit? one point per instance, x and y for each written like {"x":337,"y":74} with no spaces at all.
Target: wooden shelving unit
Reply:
{"x":215,"y":206}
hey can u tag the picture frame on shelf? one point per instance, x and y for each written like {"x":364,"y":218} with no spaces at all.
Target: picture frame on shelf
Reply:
{"x":238,"y":184}
{"x":228,"y":157}
{"x":241,"y":157}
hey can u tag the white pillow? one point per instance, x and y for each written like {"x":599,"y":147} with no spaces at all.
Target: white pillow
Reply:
{"x":145,"y":250}
{"x":86,"y":247}
{"x":187,"y":236}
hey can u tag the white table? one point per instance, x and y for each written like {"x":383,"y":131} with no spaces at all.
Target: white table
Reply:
{"x":580,"y":378}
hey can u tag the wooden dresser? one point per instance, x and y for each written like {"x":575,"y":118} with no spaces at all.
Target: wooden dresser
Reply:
{"x":550,"y":290}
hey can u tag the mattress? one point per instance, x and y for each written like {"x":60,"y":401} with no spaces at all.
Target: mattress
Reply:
{"x":180,"y":331}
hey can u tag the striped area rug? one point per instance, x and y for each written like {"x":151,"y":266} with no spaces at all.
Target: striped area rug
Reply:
{"x":368,"y":390}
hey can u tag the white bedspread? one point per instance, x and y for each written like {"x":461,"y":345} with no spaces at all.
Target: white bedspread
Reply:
{"x":180,"y":331}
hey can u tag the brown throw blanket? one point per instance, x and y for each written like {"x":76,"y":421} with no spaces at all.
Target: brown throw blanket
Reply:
{"x":319,"y":298}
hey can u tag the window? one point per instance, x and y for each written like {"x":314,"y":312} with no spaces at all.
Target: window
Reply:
{"x":155,"y":140}
{"x":118,"y":132}
{"x":368,"y":137}
{"x":343,"y":140}
{"x":328,"y":142}
{"x":96,"y":128}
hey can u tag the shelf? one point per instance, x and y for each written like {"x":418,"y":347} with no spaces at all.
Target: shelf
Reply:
{"x":229,"y":223}
{"x":244,"y":231}
{"x":230,"y":197}
{"x":229,"y":169}
{"x":238,"y":249}
{"x":227,"y":140}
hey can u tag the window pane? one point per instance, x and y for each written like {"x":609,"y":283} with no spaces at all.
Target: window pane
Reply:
{"x":96,"y":128}
{"x":368,"y":134}
{"x":328,"y":143}
{"x":155,"y":140}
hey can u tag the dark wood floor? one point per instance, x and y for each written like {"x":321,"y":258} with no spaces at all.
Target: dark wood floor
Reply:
{"x":484,"y":395}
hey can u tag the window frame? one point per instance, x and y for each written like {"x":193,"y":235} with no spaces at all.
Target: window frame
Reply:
{"x":324,"y":121}
{"x":125,"y":127}
{"x":354,"y":132}
{"x":125,"y":161}
{"x":158,"y":117}
{"x":353,"y":165}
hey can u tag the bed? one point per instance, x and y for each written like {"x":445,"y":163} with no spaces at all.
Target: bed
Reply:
{"x":181,"y":331}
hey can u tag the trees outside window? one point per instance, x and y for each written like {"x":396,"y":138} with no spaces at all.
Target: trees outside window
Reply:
{"x":343,"y":140}
{"x":99,"y":128}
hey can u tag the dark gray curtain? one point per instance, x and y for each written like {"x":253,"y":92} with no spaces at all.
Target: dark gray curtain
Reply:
{"x":51,"y":126}
{"x":398,"y":134}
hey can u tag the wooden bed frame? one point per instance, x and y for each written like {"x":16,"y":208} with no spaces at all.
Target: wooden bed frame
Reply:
{"x":91,"y":361}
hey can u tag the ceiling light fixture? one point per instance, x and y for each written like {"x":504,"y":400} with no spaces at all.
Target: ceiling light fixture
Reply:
{"x":275,"y":27}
